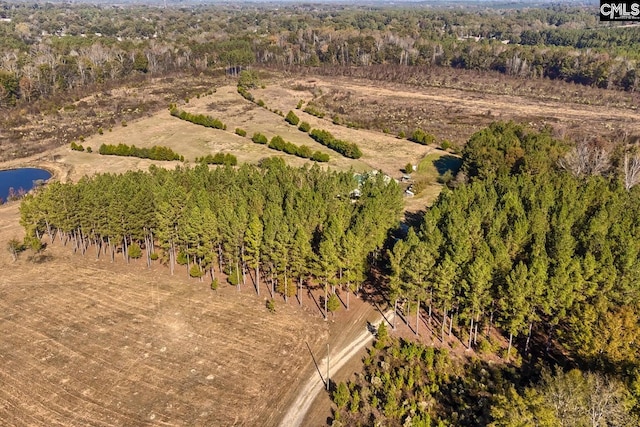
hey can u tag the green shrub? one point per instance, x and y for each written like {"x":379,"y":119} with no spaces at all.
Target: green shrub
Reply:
{"x":195,"y":271}
{"x":248,"y":79}
{"x":341,"y":396}
{"x":304,"y":152}
{"x":245,"y":93}
{"x":422,"y":137}
{"x":241,"y":132}
{"x":310,"y":109}
{"x":446,"y":144}
{"x":135,"y":251}
{"x":89,"y":150}
{"x":292,"y":118}
{"x":214,"y":285}
{"x":182,"y":259}
{"x":153,"y":153}
{"x":484,"y":346}
{"x":333,"y":303}
{"x":304,"y":127}
{"x":218,"y":159}
{"x":154,"y":256}
{"x":299,"y":106}
{"x":198,"y":119}
{"x":319,"y":156}
{"x":260,"y":103}
{"x":402,"y":135}
{"x":271,"y":305}
{"x":76,"y":147}
{"x":259,"y":138}
{"x":233,"y":275}
{"x":277,"y":143}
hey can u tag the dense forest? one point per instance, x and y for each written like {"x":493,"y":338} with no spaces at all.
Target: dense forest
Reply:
{"x":531,"y":246}
{"x":272,"y":224}
{"x":51,"y":49}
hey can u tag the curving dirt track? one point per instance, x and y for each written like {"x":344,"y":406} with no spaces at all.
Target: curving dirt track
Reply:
{"x":338,"y":357}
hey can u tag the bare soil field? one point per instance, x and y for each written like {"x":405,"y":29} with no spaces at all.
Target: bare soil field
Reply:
{"x":90,"y":343}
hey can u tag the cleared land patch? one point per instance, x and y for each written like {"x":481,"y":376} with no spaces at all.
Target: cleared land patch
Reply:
{"x":88,"y":342}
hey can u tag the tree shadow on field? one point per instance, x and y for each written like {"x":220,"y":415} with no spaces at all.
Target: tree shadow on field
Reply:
{"x":315,"y":362}
{"x":40,"y":258}
{"x":447,"y":163}
{"x":414,"y":219}
{"x":315,"y":300}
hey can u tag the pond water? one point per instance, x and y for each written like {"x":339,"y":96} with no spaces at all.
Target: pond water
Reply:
{"x":18,"y":180}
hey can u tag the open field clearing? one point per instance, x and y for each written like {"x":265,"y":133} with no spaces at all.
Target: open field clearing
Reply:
{"x":90,"y":343}
{"x":447,"y":113}
{"x":455,"y":114}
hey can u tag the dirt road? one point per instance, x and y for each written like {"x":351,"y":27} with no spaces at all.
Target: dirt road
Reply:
{"x":316,"y":382}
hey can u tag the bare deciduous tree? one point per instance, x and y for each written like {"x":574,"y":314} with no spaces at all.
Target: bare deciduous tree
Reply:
{"x":631,"y":170}
{"x":587,"y":159}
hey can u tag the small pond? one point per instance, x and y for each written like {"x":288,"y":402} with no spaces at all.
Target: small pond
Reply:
{"x":20,"y":180}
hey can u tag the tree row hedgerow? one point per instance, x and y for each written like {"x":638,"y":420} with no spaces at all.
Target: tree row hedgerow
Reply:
{"x":325,"y":138}
{"x":153,"y":153}
{"x":279,"y":144}
{"x":198,"y":119}
{"x":218,"y":159}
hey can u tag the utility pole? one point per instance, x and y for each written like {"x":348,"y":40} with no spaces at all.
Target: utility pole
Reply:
{"x":327,"y":367}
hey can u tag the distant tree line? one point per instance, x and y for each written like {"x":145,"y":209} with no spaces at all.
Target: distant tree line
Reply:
{"x":60,"y":48}
{"x":153,"y":153}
